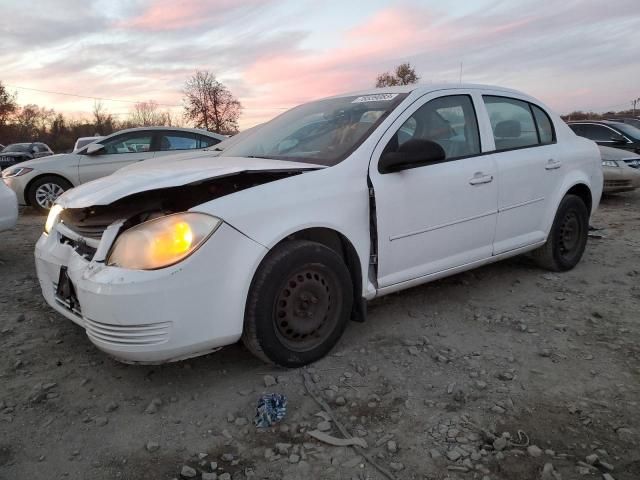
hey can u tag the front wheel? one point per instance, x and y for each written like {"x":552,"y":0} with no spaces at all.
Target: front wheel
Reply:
{"x":45,"y":191}
{"x":298,"y":305}
{"x":567,"y":239}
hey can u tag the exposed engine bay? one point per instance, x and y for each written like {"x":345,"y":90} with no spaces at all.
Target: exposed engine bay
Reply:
{"x":91,"y":222}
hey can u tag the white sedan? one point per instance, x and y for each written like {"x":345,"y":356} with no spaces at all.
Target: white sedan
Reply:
{"x":284,"y":237}
{"x":39,"y":182}
{"x":8,"y":207}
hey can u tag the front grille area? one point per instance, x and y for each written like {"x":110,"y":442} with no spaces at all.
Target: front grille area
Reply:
{"x":81,"y":247}
{"x":633,"y":163}
{"x":84,"y":222}
{"x":128,"y":335}
{"x":88,"y":231}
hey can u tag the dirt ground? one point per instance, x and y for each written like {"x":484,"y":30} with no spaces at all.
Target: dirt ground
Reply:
{"x":505,"y":372}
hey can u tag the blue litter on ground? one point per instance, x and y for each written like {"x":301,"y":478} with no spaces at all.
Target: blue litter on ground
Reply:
{"x":272,"y":408}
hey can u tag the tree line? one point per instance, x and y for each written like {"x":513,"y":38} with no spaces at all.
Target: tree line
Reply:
{"x":206,"y":102}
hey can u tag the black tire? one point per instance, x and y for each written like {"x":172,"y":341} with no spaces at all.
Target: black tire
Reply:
{"x":54,"y":185}
{"x":298,"y":305}
{"x":568,"y":236}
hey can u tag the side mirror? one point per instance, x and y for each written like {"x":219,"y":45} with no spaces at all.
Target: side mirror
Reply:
{"x":617,"y":138}
{"x":94,"y":148}
{"x":411,"y":154}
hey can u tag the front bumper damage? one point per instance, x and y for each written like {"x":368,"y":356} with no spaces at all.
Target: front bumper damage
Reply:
{"x":156,"y":316}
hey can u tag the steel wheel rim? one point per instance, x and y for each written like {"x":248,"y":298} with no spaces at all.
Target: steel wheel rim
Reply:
{"x":47,"y":194}
{"x":570,"y":234}
{"x":304,"y":312}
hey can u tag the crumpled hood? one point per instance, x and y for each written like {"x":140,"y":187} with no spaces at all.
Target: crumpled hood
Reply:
{"x":155,"y":162}
{"x":108,"y":189}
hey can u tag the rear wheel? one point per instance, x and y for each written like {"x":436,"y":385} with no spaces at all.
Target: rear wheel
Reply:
{"x":298,"y":305}
{"x":568,"y":236}
{"x":45,"y":191}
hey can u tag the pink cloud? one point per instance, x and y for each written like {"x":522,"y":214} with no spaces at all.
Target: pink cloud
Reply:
{"x":178,"y":14}
{"x":385,"y":38}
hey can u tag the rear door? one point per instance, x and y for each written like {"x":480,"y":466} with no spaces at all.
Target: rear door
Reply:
{"x":118,"y":152}
{"x":438,"y":216}
{"x":529,"y":169}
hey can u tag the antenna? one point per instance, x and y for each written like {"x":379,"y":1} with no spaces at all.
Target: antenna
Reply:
{"x":460,"y":71}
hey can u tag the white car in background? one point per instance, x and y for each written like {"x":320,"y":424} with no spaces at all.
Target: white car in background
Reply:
{"x":210,"y":152}
{"x":8,"y":207}
{"x":84,"y":141}
{"x":285,"y":236}
{"x":40,"y":182}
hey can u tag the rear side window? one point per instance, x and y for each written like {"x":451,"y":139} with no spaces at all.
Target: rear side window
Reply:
{"x":449,"y":121}
{"x":512,"y":123}
{"x":184,"y":141}
{"x":134,"y":142}
{"x":178,"y":141}
{"x":207,"y":141}
{"x":545,"y":127}
{"x":597,"y":133}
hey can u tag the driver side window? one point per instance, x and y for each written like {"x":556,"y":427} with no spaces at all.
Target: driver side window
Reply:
{"x":449,"y":121}
{"x":130,"y":143}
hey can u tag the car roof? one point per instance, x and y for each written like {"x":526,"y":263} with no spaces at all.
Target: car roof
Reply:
{"x":177,"y":129}
{"x":420,"y":89}
{"x":603,"y":122}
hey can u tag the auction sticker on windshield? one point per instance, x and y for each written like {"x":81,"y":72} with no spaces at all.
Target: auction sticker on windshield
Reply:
{"x":378,"y":97}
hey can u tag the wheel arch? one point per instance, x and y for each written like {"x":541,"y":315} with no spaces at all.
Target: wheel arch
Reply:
{"x":339,"y":243}
{"x":584,"y":192}
{"x":27,"y":188}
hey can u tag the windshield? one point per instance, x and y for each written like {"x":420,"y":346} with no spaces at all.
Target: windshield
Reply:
{"x":17,"y":147}
{"x":629,"y":130}
{"x":238,"y":137}
{"x":323,"y":132}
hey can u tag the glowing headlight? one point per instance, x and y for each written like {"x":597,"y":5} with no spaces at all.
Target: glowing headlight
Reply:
{"x":163,"y":241}
{"x":52,"y":219}
{"x":610,"y":163}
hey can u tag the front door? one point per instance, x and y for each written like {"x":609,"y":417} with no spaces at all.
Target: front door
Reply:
{"x":118,"y":152}
{"x":439,"y":216}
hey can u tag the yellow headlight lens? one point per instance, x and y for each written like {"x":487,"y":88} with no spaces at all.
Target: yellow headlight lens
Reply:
{"x":175,"y":241}
{"x":163,"y":241}
{"x":52,"y":218}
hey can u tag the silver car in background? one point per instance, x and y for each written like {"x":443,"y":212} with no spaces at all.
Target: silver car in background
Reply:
{"x":621,"y":170}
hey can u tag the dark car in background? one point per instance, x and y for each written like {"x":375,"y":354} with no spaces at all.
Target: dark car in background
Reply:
{"x":20,"y":152}
{"x":634,"y":122}
{"x":608,"y":133}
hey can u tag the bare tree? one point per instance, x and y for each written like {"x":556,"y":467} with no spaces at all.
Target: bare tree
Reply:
{"x":210,"y":105}
{"x":27,"y":121}
{"x":102,"y":119}
{"x":147,"y":114}
{"x":8,"y":105}
{"x":404,"y":74}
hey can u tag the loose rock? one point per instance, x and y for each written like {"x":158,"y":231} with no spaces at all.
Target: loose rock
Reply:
{"x":188,"y":472}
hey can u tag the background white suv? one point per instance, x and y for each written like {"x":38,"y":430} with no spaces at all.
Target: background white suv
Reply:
{"x":41,"y":181}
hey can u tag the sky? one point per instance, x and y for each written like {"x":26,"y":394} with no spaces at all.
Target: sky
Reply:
{"x":275,"y":54}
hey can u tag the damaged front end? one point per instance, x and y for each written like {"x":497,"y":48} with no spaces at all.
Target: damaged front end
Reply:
{"x":86,"y":229}
{"x":188,"y":301}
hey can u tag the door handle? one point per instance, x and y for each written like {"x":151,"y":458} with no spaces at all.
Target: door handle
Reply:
{"x":479,"y":178}
{"x":553,"y":164}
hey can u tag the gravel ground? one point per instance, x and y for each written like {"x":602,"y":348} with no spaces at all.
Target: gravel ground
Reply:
{"x":505,"y":372}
